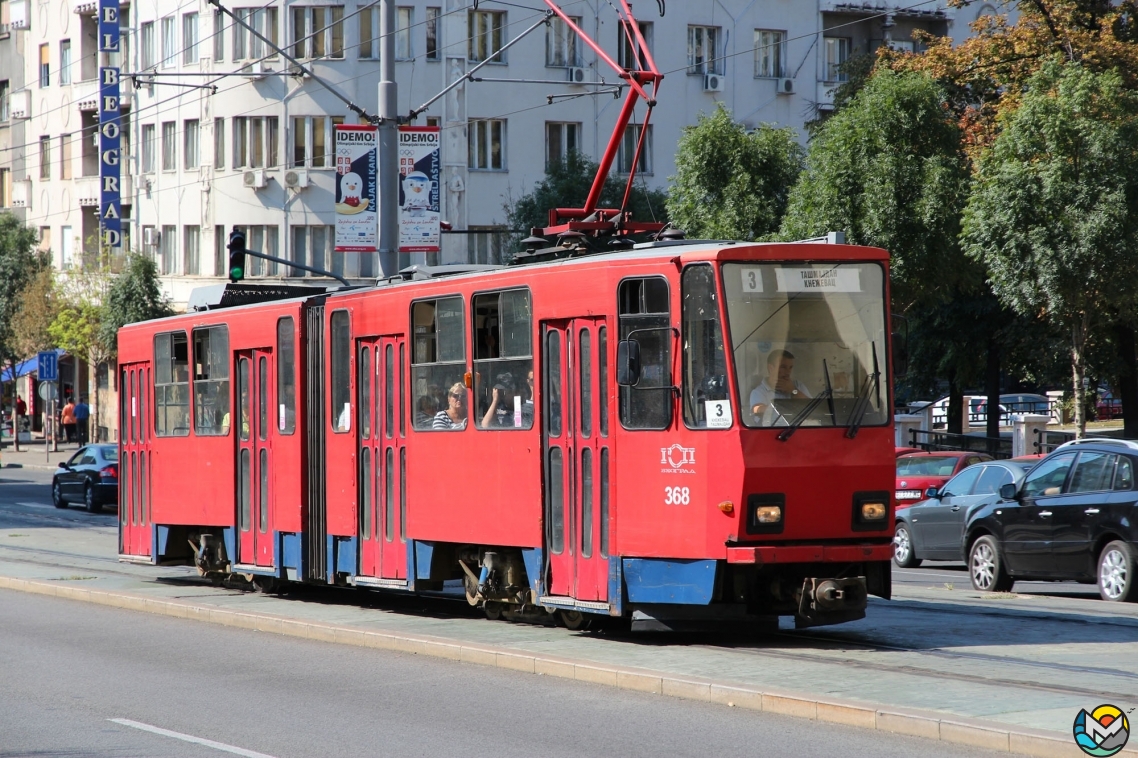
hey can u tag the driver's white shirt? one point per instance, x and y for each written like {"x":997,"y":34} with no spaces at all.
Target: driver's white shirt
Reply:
{"x":764,"y":393}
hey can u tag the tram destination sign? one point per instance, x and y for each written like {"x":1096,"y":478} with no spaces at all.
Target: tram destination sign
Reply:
{"x":110,"y":130}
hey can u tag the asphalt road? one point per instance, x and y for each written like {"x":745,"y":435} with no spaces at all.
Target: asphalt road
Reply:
{"x":82,"y":680}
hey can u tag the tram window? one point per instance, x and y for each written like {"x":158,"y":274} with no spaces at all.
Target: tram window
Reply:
{"x":211,"y":381}
{"x":402,"y":410}
{"x":245,"y":397}
{"x":286,"y":376}
{"x":245,"y":476}
{"x":645,"y":309}
{"x":604,"y":509}
{"x":402,"y":494}
{"x":438,"y":362}
{"x":341,"y":373}
{"x":552,"y":386}
{"x":389,"y":497}
{"x":388,"y":390}
{"x":365,"y":391}
{"x":262,"y":398}
{"x":171,"y":385}
{"x":555,"y":493}
{"x":503,"y":360}
{"x":263,"y":513}
{"x":365,"y":499}
{"x":585,"y":366}
{"x":586,"y":502}
{"x":603,"y":376}
{"x":705,"y":400}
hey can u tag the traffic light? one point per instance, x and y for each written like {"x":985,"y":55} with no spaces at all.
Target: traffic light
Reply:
{"x":236,"y":255}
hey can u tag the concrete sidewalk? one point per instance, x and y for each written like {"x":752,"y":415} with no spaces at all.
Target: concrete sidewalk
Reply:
{"x":32,"y":455}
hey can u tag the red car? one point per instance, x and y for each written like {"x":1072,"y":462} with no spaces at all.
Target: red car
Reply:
{"x":916,"y":472}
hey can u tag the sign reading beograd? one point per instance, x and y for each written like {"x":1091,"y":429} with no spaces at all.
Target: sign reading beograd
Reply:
{"x":110,"y":130}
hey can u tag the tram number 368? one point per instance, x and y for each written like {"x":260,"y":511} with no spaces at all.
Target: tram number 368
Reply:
{"x":677,"y":496}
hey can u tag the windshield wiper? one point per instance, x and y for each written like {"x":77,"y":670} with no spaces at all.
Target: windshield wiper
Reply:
{"x":862,"y":404}
{"x":786,"y":433}
{"x":829,"y":394}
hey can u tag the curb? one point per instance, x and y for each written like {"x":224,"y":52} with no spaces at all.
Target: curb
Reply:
{"x":910,"y":722}
{"x":37,"y":466}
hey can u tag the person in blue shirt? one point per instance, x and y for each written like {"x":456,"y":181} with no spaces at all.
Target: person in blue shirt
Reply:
{"x":82,"y":418}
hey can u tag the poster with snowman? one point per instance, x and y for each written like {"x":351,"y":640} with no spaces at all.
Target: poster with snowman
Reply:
{"x":357,"y":214}
{"x":419,"y":166}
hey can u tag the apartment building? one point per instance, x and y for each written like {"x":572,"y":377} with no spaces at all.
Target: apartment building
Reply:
{"x":12,"y":106}
{"x":221,"y":131}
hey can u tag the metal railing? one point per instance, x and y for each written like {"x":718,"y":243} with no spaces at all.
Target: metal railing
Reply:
{"x":934,"y":441}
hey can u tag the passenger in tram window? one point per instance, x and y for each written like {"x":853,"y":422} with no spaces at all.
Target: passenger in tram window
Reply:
{"x":437,"y":394}
{"x":779,"y":383}
{"x":425,"y":409}
{"x":527,"y":404}
{"x":501,"y":410}
{"x":454,"y":416}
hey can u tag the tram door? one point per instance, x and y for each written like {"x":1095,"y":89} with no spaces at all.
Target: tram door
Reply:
{"x":134,"y":460}
{"x":576,"y":457}
{"x":383,"y":457}
{"x":254,"y":457}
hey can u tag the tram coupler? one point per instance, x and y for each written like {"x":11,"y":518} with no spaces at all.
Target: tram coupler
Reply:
{"x":830,"y":601}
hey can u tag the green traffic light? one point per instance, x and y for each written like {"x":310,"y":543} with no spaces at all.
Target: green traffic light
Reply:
{"x":236,"y":274}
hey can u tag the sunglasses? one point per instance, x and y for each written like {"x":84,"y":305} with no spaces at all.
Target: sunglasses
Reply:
{"x":459,"y":397}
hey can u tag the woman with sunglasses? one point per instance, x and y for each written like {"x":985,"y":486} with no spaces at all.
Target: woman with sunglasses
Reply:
{"x":454,"y":415}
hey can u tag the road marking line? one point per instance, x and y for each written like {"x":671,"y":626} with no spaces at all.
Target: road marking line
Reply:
{"x":36,"y":505}
{"x":190,"y":738}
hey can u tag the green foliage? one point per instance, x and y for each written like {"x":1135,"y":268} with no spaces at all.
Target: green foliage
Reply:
{"x":19,"y":264}
{"x":135,"y":295}
{"x":731,"y":184}
{"x":39,"y":303}
{"x":887,"y":169}
{"x":566,"y":185}
{"x":1054,"y":215}
{"x":76,"y":328}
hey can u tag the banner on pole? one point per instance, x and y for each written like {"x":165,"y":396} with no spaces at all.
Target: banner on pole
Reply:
{"x":419,"y":213}
{"x":357,"y":212}
{"x":110,"y":131}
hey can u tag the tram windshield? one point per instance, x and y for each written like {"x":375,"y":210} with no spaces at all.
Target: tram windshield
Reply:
{"x":809,"y":343}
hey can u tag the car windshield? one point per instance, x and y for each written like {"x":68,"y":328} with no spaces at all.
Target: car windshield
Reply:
{"x":926,"y":465}
{"x":108,"y":452}
{"x":798,"y":330}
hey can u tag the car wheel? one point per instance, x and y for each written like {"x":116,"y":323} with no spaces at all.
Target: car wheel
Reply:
{"x":89,"y":500}
{"x":57,"y":495}
{"x":903,"y":554}
{"x":985,"y":567}
{"x":1116,"y":576}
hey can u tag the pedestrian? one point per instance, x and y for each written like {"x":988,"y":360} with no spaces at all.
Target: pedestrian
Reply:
{"x":67,"y":419}
{"x":82,"y":417}
{"x":18,"y":421}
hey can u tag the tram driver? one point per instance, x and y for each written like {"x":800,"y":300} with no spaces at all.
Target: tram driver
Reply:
{"x":779,"y":384}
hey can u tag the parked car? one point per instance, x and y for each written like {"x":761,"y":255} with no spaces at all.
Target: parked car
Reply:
{"x":916,"y":472}
{"x":91,"y":476}
{"x":1074,"y":517}
{"x":932,"y":529}
{"x":1107,"y":407}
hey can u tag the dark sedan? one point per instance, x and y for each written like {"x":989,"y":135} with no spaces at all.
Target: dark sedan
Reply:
{"x":1074,"y":517}
{"x":91,"y":477}
{"x":932,"y":529}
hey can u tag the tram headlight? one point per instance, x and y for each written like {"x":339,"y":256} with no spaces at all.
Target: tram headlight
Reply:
{"x":873,"y":511}
{"x":768,"y":514}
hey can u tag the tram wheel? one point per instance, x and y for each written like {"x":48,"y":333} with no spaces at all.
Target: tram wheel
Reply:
{"x":575,"y":621}
{"x":266,"y":584}
{"x":492,"y":610}
{"x":471,"y":591}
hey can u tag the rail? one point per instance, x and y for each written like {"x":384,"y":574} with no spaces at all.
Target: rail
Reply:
{"x":1046,"y":440}
{"x":934,"y":441}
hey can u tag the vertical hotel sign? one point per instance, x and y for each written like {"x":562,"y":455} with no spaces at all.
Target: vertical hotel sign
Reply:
{"x":357,"y":172}
{"x":110,"y":134}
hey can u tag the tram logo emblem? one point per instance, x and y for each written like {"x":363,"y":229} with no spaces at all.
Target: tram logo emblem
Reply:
{"x":1104,"y":731}
{"x":677,"y":458}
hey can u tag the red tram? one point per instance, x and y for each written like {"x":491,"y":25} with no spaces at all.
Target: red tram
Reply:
{"x":682,"y":430}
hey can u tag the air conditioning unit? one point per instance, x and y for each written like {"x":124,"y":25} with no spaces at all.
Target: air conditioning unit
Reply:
{"x":255,"y":179}
{"x":786,"y":86}
{"x":260,"y":68}
{"x":576,"y":75}
{"x":151,"y":236}
{"x":20,"y":104}
{"x":296,"y":179}
{"x":713,"y":83}
{"x":22,"y":193}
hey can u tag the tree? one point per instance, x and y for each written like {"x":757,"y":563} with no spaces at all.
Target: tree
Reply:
{"x":39,"y":304}
{"x":731,"y":183}
{"x":1054,"y":214}
{"x":134,"y":295}
{"x":566,"y":185}
{"x":19,"y":263}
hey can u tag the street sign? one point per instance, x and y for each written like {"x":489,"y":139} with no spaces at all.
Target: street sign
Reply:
{"x":48,"y":391}
{"x":48,"y":366}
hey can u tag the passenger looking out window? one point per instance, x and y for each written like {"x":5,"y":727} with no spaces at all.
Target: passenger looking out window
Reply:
{"x":503,"y":362}
{"x":454,"y":415}
{"x":438,"y":361}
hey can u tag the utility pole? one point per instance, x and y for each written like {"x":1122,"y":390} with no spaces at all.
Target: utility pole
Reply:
{"x":390,"y":261}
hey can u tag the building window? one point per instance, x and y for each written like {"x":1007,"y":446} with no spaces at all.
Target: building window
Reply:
{"x":169,"y":146}
{"x":218,"y":36}
{"x":169,"y":42}
{"x":191,"y":250}
{"x":45,"y":157}
{"x":219,"y":143}
{"x":403,"y":23}
{"x":65,"y":62}
{"x":311,"y":246}
{"x":248,"y":45}
{"x":311,"y":141}
{"x":5,"y":100}
{"x":45,"y":65}
{"x":5,"y":188}
{"x":172,"y":385}
{"x":148,"y":139}
{"x":487,"y":144}
{"x":628,"y":150}
{"x":703,"y":42}
{"x":220,"y":254}
{"x":561,"y":43}
{"x":255,"y":142}
{"x":560,"y":140}
{"x":433,"y":33}
{"x":191,"y":136}
{"x":485,"y":40}
{"x":189,"y":39}
{"x":146,"y":43}
{"x":65,"y":156}
{"x":168,"y":250}
{"x":837,"y":53}
{"x":625,"y":54}
{"x":262,"y":239}
{"x":487,"y":244}
{"x":369,"y":33}
{"x":318,"y":31}
{"x":770,"y":53}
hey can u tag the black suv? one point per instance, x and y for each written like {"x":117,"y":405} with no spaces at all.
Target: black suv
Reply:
{"x":1074,"y":517}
